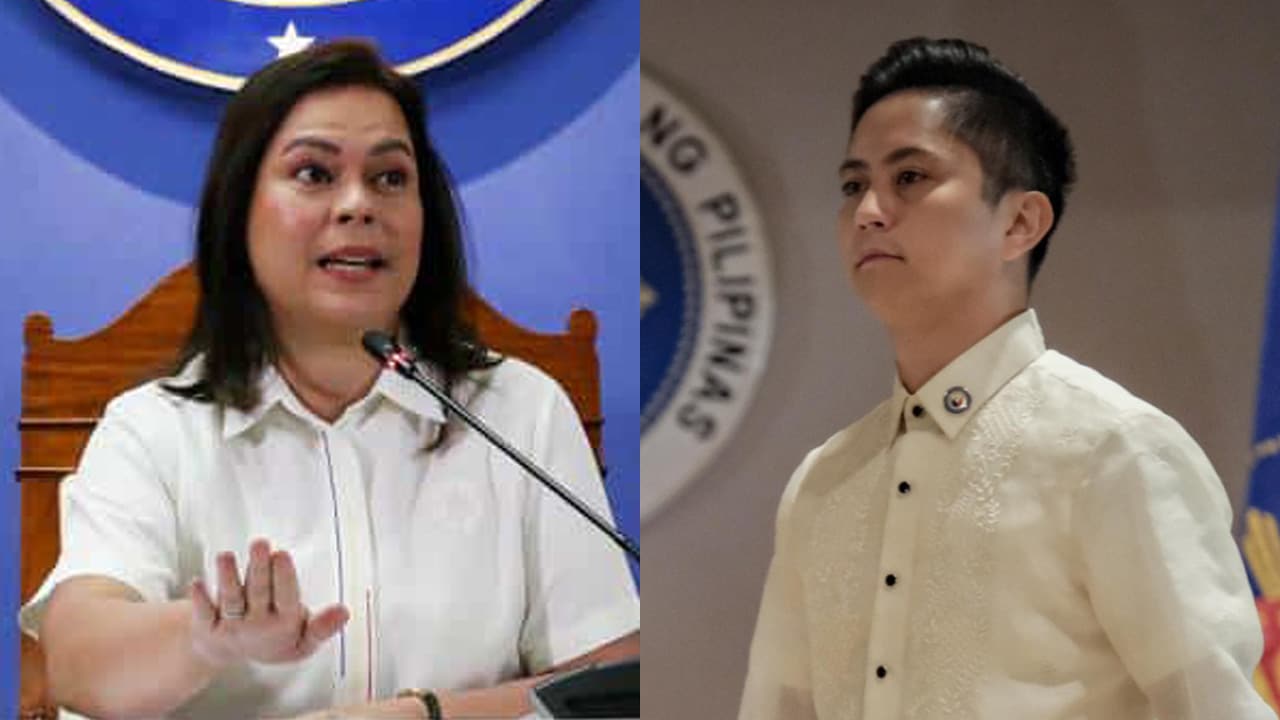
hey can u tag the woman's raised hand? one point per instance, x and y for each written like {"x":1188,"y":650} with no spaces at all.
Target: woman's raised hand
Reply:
{"x":263,"y":619}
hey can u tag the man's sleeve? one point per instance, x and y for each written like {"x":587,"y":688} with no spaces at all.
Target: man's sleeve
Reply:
{"x":1164,"y":575}
{"x":777,"y":685}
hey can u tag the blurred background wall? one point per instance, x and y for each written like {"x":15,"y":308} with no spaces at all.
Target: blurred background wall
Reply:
{"x":1157,"y":276}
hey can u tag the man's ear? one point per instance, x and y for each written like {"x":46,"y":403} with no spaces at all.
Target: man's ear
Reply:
{"x":1032,"y":216}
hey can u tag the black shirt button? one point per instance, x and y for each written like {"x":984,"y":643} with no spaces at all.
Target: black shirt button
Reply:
{"x":890,"y":580}
{"x":904,"y":487}
{"x":917,"y":410}
{"x":881,"y":672}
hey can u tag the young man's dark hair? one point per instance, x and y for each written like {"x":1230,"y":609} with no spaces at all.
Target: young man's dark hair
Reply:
{"x":1020,"y":144}
{"x":232,"y":327}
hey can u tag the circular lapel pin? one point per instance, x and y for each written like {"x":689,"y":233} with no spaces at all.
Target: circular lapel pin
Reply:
{"x":957,"y":400}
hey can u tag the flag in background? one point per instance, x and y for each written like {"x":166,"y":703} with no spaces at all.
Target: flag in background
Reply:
{"x":1261,"y":540}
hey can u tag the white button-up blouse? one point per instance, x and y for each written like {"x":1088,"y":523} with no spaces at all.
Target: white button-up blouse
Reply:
{"x":460,"y":571}
{"x":1022,"y":538}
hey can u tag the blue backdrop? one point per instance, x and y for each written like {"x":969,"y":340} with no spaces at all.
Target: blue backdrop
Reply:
{"x":102,"y":159}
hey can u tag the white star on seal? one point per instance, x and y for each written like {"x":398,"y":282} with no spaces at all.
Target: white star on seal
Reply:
{"x":647,"y":297}
{"x":290,"y":42}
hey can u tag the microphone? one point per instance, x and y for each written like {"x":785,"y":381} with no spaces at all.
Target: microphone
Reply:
{"x":394,"y":357}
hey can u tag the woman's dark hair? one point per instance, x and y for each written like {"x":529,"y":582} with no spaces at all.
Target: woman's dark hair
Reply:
{"x":233,"y":330}
{"x":990,"y":108}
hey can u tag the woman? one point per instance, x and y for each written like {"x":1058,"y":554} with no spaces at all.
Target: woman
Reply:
{"x":392,"y":563}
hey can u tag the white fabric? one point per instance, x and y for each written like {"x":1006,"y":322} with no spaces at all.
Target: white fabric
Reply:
{"x":460,"y":571}
{"x":1063,"y":551}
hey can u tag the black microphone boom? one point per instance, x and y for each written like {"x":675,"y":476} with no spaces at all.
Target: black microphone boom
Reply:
{"x":383,"y":347}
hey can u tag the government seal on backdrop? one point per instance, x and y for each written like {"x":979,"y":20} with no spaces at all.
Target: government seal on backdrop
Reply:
{"x":221,"y":42}
{"x":706,"y":295}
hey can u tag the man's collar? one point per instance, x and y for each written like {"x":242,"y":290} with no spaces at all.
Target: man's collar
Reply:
{"x":956,"y":392}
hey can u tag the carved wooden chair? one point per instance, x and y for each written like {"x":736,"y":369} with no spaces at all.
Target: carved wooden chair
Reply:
{"x":67,"y":383}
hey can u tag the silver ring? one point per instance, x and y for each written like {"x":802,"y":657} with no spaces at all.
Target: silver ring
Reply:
{"x":236,"y":613}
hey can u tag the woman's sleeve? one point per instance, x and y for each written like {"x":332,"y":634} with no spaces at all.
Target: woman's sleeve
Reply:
{"x":580,"y":593}
{"x":117,"y":515}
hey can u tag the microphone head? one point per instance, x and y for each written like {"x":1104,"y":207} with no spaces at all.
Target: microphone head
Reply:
{"x":380,"y":344}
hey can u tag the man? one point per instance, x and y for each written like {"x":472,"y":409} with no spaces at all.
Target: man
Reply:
{"x":1010,"y":535}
